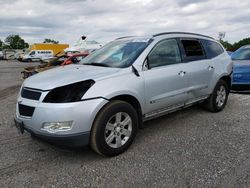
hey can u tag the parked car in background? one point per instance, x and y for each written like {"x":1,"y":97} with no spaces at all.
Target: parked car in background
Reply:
{"x":103,"y":100}
{"x":241,"y":69}
{"x":1,"y":55}
{"x":61,"y":60}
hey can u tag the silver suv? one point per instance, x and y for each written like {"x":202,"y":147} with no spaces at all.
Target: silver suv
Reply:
{"x":104,"y":100}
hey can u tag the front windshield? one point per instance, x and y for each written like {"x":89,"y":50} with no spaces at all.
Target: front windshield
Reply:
{"x":119,"y":53}
{"x":241,"y":54}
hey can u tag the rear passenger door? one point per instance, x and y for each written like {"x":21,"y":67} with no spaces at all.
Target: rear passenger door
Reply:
{"x":199,"y":71}
{"x":165,"y":83}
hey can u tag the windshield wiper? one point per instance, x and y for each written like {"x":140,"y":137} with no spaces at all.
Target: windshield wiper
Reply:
{"x":97,"y":64}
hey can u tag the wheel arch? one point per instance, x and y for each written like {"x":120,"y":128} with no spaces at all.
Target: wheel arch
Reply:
{"x":132,"y":101}
{"x":227,"y":79}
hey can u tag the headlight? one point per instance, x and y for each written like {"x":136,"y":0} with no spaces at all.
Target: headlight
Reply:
{"x":69,"y":93}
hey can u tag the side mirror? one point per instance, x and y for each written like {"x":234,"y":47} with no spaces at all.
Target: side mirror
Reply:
{"x":145,"y":65}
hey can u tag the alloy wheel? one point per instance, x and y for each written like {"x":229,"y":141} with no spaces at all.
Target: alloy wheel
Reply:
{"x":221,"y":96}
{"x":118,"y":130}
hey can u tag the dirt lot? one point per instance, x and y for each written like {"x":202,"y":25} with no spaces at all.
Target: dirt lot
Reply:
{"x":189,"y":148}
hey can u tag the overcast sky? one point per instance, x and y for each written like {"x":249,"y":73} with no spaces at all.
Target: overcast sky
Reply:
{"x":67,"y":20}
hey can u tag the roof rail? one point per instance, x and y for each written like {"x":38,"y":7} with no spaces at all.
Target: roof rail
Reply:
{"x":167,"y":33}
{"x":124,"y":37}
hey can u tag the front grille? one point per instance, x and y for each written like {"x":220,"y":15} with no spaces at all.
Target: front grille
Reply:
{"x":25,"y":110}
{"x":28,"y":94}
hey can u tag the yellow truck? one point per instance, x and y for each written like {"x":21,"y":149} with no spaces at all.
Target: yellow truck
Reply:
{"x":56,"y":48}
{"x":38,"y":52}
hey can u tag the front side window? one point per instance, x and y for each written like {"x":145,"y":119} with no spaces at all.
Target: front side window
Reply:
{"x":241,"y":54}
{"x":193,"y":50}
{"x":164,"y":53}
{"x":118,"y":54}
{"x":32,"y":53}
{"x":212,"y":48}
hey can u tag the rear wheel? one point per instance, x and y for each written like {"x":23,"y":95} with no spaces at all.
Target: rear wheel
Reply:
{"x":218,"y":99}
{"x":114,"y":128}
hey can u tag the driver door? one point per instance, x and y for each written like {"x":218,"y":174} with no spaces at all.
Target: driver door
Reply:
{"x":165,"y":82}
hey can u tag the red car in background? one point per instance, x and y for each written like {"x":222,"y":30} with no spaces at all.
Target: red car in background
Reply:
{"x":58,"y":61}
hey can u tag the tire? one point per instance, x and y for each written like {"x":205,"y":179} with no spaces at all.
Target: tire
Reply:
{"x":110,"y":134}
{"x":218,"y":99}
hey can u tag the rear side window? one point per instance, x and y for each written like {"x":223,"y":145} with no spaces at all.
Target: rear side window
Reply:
{"x":193,"y":50}
{"x":164,"y":53}
{"x":212,"y":48}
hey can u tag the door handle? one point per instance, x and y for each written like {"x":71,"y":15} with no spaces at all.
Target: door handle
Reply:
{"x":210,"y":67}
{"x":182,"y":73}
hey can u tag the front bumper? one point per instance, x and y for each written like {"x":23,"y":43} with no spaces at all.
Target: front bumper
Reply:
{"x":69,"y":140}
{"x":82,"y":115}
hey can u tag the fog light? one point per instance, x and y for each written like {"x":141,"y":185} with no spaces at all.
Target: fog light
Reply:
{"x":54,"y":127}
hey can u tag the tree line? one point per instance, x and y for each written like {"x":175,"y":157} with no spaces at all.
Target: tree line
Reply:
{"x":16,"y":42}
{"x":236,"y":45}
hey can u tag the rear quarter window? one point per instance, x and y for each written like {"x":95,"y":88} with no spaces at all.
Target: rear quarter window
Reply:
{"x":212,"y":48}
{"x":193,"y":49}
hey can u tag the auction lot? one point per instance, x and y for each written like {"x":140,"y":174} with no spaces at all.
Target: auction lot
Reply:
{"x":188,"y":148}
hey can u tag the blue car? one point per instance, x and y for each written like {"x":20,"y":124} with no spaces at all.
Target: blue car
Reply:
{"x":241,"y":69}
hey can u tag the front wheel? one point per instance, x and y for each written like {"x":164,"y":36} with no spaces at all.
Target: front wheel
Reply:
{"x":114,"y":128}
{"x":218,"y":99}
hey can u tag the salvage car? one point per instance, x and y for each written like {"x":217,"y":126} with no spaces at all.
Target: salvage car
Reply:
{"x":103,"y":101}
{"x":59,"y":61}
{"x":241,"y":73}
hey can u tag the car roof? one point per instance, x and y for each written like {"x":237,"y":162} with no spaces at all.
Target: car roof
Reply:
{"x":182,"y":33}
{"x":245,"y":47}
{"x":170,"y":34}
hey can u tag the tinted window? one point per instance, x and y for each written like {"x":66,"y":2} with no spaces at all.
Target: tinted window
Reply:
{"x":193,"y":49}
{"x":212,"y":49}
{"x":241,"y":54}
{"x":165,"y":53}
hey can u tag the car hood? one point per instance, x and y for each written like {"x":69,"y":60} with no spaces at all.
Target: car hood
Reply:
{"x":241,"y":66}
{"x":69,"y":74}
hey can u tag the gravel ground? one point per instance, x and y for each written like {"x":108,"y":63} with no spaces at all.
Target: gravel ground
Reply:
{"x":189,"y":148}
